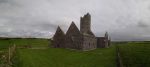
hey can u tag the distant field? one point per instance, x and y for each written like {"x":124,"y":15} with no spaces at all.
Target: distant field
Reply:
{"x":135,"y":54}
{"x":5,"y":43}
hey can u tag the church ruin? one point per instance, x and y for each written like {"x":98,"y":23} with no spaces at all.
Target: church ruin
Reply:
{"x":82,"y":39}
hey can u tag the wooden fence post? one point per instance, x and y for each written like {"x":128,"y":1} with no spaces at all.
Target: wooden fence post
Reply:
{"x":9,"y":55}
{"x":11,"y":52}
{"x":119,"y":60}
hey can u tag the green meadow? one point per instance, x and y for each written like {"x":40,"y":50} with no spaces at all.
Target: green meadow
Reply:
{"x":135,"y":54}
{"x":22,"y":42}
{"x":40,"y":54}
{"x":56,"y":57}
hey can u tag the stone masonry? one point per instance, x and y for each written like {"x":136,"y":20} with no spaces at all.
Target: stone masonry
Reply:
{"x":82,"y":39}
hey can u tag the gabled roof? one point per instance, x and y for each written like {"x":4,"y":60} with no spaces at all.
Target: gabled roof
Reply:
{"x":73,"y":30}
{"x":59,"y":32}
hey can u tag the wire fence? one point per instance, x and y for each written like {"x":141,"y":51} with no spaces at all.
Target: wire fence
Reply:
{"x":118,"y":57}
{"x":6,"y":56}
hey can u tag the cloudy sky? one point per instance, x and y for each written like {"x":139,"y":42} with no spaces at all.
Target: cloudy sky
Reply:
{"x":123,"y":19}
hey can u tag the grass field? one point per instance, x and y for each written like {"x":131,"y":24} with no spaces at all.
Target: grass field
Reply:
{"x":133,"y":54}
{"x":54,"y":57}
{"x":19,"y":42}
{"x":57,"y":57}
{"x":5,"y":43}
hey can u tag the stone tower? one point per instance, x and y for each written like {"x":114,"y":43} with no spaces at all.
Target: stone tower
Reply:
{"x":85,"y":23}
{"x":106,"y":35}
{"x":89,"y":40}
{"x":82,"y":39}
{"x":106,"y":39}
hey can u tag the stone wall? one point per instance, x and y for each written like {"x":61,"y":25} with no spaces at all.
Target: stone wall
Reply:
{"x":100,"y":42}
{"x":89,"y":42}
{"x":73,"y":37}
{"x":82,"y":39}
{"x":59,"y":39}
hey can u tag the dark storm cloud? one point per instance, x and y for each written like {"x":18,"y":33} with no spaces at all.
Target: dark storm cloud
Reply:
{"x":143,"y":24}
{"x":123,"y":19}
{"x":6,"y":1}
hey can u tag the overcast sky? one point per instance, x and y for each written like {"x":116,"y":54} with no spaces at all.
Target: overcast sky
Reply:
{"x":122,"y":19}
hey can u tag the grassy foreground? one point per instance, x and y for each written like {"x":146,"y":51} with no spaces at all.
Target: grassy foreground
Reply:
{"x":56,"y":57}
{"x":5,"y":43}
{"x":133,"y":54}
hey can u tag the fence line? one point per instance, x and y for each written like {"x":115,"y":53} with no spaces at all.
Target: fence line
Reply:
{"x":119,"y":60}
{"x":7,"y":56}
{"x":11,"y":53}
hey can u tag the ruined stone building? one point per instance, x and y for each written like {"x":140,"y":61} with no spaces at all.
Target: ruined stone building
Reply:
{"x":82,"y":39}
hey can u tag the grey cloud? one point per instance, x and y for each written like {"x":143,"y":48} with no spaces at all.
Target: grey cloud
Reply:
{"x":142,"y":24}
{"x":40,"y":18}
{"x":9,"y":3}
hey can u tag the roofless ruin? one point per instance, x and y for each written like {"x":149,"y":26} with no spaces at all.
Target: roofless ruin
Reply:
{"x":82,"y":39}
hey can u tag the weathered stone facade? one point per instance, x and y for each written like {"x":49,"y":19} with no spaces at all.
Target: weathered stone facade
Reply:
{"x":73,"y":37}
{"x":58,"y":38}
{"x":82,"y":39}
{"x":103,"y":42}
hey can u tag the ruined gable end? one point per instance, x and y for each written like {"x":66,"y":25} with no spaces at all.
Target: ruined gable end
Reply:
{"x":59,"y":38}
{"x":82,"y":39}
{"x":73,"y":37}
{"x":73,"y":30}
